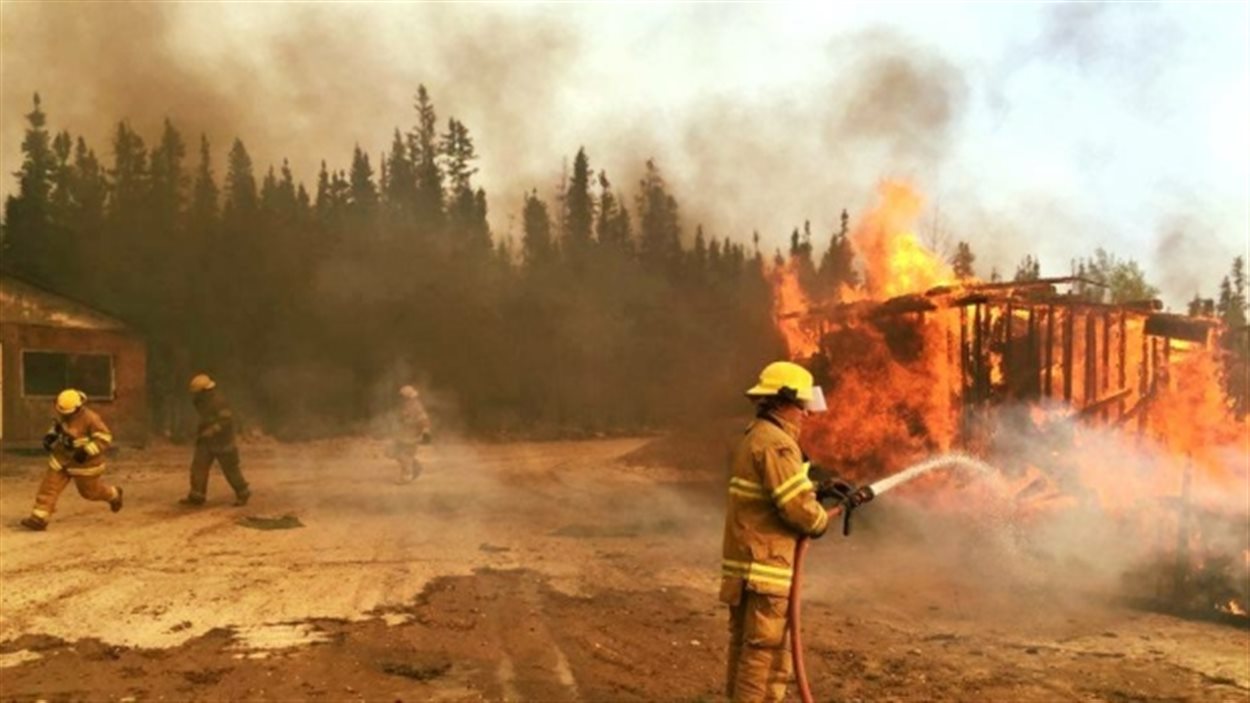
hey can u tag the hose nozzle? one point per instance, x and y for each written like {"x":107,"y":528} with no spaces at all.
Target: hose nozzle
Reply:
{"x":861,"y":495}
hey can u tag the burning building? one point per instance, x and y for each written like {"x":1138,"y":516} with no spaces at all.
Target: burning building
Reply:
{"x":1079,"y":404}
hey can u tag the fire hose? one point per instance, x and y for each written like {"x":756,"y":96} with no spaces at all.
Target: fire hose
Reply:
{"x":846,"y":507}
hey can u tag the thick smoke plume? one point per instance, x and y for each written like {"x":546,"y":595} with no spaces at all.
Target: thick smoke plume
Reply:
{"x":326,"y":77}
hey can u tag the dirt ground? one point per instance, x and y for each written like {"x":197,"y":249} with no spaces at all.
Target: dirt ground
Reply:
{"x":541,"y":571}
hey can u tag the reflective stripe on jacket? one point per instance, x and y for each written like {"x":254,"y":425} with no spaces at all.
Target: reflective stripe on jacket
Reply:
{"x":771,"y":504}
{"x":82,"y":430}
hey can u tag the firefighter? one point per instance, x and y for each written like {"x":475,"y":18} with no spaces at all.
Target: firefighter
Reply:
{"x":214,"y":441}
{"x":772,"y":503}
{"x":413,"y":429}
{"x":75,"y":444}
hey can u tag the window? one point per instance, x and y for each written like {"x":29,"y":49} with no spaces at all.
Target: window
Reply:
{"x":48,"y":373}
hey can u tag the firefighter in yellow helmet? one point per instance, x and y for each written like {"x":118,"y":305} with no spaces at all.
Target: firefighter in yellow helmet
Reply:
{"x":75,"y":443}
{"x":214,"y":441}
{"x":412,"y":429}
{"x":772,"y":503}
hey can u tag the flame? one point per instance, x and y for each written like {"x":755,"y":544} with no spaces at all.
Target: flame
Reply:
{"x":1141,"y":430}
{"x":896,"y":263}
{"x":790,"y":309}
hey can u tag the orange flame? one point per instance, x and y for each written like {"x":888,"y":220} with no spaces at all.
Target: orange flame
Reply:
{"x":790,"y":308}
{"x":896,"y":263}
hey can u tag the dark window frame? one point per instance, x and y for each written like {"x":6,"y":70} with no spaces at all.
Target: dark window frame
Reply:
{"x":112,"y":362}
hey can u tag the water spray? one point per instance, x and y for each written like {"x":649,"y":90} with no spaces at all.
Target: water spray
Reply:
{"x":886,"y":484}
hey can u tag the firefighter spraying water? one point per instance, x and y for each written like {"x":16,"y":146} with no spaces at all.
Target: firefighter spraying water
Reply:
{"x":774,"y":506}
{"x":777,"y":502}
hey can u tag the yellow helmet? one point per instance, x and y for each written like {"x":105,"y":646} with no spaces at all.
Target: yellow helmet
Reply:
{"x":201,"y":382}
{"x":789,"y":380}
{"x":69,"y":401}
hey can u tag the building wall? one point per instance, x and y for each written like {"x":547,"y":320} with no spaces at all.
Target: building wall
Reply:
{"x":27,"y":419}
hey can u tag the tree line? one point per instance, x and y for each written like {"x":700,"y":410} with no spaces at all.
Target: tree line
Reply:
{"x":313,"y":304}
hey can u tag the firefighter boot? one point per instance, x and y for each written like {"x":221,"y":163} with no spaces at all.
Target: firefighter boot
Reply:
{"x":240,"y":499}
{"x":34,"y":522}
{"x":116,"y":504}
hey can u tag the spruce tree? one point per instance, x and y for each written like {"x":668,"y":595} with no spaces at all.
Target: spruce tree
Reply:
{"x":536,"y":243}
{"x":29,"y":245}
{"x":364,"y":193}
{"x":240,"y":200}
{"x":423,"y":151}
{"x":658,"y":223}
{"x":578,"y":208}
{"x":962,"y":261}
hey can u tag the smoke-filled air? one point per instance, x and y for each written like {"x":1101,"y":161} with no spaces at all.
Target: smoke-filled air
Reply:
{"x":624,"y":352}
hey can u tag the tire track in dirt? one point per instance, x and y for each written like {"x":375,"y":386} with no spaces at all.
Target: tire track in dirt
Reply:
{"x":531,"y":664}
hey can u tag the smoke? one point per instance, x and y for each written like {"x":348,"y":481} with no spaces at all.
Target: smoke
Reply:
{"x":752,"y":133}
{"x":302,"y":83}
{"x":1180,"y":239}
{"x":1074,"y":512}
{"x":305,"y":83}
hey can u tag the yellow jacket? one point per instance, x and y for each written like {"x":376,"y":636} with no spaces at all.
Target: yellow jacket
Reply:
{"x":413,"y":421}
{"x":772,"y":503}
{"x":82,"y":430}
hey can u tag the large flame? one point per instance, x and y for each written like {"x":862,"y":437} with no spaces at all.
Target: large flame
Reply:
{"x":895,"y":261}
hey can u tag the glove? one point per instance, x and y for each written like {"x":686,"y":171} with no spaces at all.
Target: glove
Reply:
{"x":834,"y":490}
{"x":49,"y":441}
{"x":81,"y":455}
{"x":830,"y":489}
{"x":426,"y":438}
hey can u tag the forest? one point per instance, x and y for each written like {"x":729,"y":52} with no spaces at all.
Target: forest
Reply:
{"x":611,"y":314}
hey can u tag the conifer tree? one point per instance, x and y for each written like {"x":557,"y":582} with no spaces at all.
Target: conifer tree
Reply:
{"x":1029,"y":269}
{"x":837,"y":266}
{"x":401,"y":182}
{"x":364,"y":193}
{"x":27,"y":214}
{"x":962,"y":261}
{"x":169,"y":183}
{"x":536,"y":244}
{"x":578,"y":208}
{"x":423,"y":151}
{"x":612,"y":226}
{"x":88,"y":193}
{"x":659,"y":226}
{"x":240,"y":185}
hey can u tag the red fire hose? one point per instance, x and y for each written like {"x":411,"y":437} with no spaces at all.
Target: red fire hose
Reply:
{"x":794,"y":620}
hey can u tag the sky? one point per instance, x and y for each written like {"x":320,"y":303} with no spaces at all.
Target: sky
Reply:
{"x":1048,"y":129}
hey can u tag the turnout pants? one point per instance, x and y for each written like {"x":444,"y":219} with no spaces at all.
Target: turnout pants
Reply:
{"x":202,"y":462}
{"x":759,"y":648}
{"x":54,"y":482}
{"x":406,"y":454}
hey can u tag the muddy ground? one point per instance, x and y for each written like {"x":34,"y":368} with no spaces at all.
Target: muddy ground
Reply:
{"x":545,"y":571}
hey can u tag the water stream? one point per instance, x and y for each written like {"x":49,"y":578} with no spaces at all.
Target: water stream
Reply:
{"x":921,"y":468}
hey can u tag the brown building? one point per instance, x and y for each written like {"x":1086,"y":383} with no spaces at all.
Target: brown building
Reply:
{"x":49,"y":343}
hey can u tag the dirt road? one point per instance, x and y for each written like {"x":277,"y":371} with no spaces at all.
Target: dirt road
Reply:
{"x":545,"y":571}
